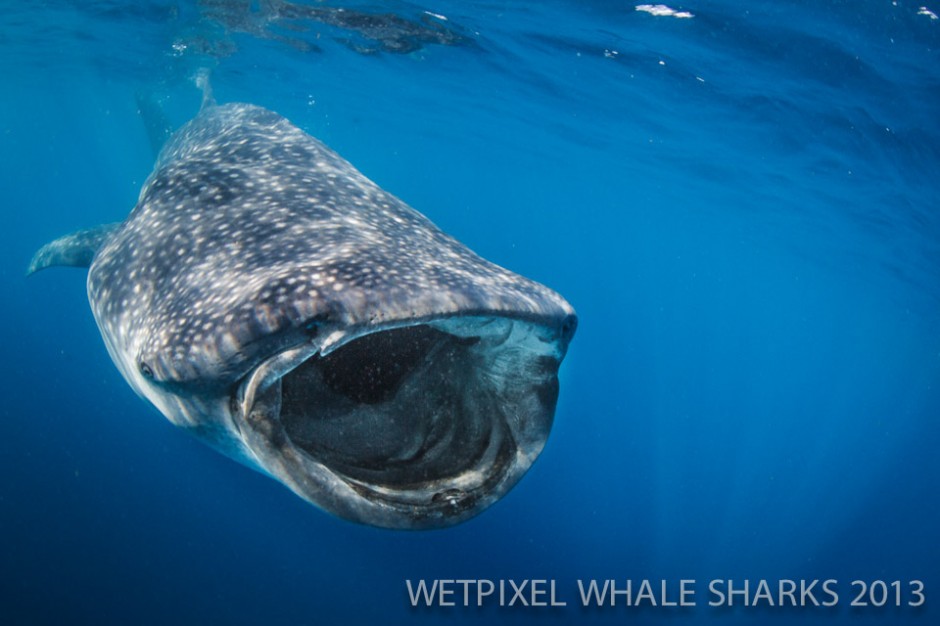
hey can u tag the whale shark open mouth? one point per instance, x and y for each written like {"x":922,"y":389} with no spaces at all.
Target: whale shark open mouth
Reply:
{"x":406,"y":426}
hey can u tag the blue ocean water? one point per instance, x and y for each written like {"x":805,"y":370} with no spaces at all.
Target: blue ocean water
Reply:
{"x":742,"y":205}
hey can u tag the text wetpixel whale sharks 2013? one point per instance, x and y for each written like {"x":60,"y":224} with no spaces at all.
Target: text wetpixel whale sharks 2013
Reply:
{"x":539,"y":593}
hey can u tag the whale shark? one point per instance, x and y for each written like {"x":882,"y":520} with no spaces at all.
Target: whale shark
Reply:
{"x":267,"y":297}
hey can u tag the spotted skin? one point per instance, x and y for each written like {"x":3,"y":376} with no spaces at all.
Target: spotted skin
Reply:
{"x":250,"y":238}
{"x":249,"y":227}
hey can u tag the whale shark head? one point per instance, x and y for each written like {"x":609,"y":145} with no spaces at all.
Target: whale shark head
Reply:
{"x":269,"y":298}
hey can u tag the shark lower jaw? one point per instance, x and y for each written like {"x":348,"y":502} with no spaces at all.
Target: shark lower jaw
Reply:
{"x":407,"y":426}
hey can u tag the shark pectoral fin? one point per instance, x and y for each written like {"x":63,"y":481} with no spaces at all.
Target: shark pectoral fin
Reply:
{"x":75,"y":250}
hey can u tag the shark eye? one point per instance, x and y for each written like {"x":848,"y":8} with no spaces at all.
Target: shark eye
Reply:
{"x":568,"y":327}
{"x":146,"y":370}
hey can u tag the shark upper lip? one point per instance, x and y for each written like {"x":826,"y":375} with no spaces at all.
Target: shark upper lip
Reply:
{"x":407,"y":426}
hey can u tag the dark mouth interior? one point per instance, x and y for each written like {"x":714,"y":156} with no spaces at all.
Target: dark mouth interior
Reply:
{"x":370,"y":369}
{"x":400,"y":409}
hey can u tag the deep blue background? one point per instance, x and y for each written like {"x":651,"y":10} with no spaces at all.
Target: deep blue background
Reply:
{"x":742,"y":206}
